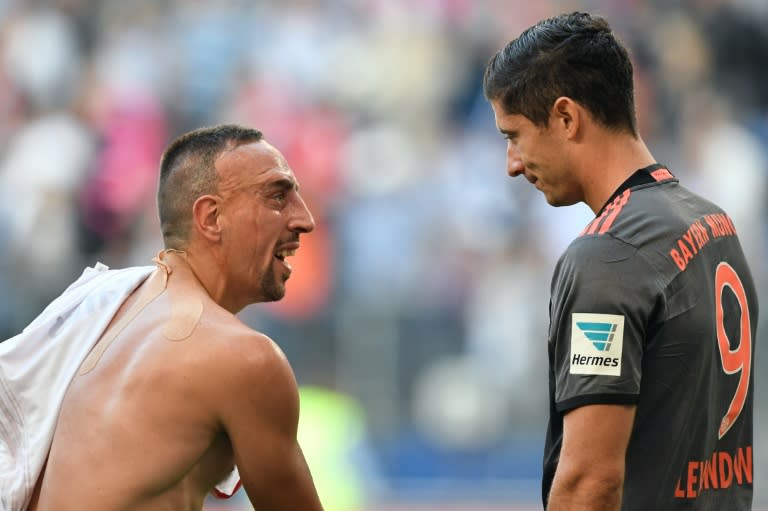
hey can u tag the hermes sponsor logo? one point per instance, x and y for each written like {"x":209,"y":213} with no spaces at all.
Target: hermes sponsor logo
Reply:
{"x":596,"y":343}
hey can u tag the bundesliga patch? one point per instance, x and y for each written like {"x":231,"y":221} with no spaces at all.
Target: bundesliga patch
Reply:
{"x":596,"y":343}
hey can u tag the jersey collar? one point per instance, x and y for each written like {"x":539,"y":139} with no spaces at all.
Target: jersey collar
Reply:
{"x":642,"y":176}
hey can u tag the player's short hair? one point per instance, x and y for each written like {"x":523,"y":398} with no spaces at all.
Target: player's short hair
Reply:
{"x":187,"y":172}
{"x":574,"y":55}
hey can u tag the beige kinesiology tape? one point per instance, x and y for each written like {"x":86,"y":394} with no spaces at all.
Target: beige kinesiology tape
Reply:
{"x":186,"y":310}
{"x":152,"y":288}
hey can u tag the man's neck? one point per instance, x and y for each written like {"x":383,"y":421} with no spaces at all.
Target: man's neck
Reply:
{"x":182,"y":264}
{"x":609,"y":163}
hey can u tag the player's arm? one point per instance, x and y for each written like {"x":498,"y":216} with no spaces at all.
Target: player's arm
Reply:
{"x":261,"y":419}
{"x":590,"y":473}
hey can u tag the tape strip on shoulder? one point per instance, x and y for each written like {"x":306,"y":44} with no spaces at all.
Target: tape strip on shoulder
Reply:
{"x":151,"y":289}
{"x":186,"y":310}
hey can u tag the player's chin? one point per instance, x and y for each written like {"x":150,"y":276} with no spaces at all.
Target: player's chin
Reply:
{"x":553,"y":200}
{"x":557,"y":200}
{"x":275,"y":293}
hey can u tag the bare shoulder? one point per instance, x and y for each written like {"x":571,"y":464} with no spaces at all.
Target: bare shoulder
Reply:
{"x":246,"y":369}
{"x":237,"y":347}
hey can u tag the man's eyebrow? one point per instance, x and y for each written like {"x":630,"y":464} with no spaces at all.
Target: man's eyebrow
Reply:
{"x":509,"y":133}
{"x":282,"y":183}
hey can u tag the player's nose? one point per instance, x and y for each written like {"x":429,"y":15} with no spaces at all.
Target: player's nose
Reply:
{"x":515,"y":165}
{"x":302,"y":220}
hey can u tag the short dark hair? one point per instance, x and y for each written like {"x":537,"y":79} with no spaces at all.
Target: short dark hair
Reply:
{"x":574,"y":55}
{"x":187,"y":171}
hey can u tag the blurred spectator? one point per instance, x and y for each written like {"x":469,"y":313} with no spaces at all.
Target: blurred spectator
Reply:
{"x":42,"y":56}
{"x":40,"y":171}
{"x":123,"y":178}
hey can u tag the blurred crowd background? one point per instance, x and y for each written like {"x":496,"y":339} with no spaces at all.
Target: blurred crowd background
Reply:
{"x":416,"y":318}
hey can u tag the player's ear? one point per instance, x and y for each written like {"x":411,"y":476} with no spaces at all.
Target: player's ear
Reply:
{"x":206,"y":218}
{"x":567,"y":115}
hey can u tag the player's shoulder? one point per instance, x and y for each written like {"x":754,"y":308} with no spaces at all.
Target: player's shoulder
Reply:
{"x":233,"y":344}
{"x":643,"y":217}
{"x":246,"y":369}
{"x":604,"y":259}
{"x":589,"y":250}
{"x":215,"y":346}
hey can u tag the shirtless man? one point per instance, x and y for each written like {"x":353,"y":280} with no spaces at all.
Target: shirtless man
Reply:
{"x":178,"y":391}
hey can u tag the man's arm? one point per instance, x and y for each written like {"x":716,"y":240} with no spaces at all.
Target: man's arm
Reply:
{"x":590,"y":473}
{"x":261,"y":419}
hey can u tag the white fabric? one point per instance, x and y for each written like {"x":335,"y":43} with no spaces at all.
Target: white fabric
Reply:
{"x":37,"y":366}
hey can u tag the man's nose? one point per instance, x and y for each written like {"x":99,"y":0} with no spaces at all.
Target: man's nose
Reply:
{"x":302,"y":221}
{"x":515,"y":165}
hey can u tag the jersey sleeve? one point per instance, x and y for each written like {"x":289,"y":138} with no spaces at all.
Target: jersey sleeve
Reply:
{"x":603,"y":295}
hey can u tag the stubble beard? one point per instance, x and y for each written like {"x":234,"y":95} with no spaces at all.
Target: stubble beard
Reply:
{"x":272,"y":288}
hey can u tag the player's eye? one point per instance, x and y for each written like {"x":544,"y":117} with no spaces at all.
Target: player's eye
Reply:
{"x":511,"y":137}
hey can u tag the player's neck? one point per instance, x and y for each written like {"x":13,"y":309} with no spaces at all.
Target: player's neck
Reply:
{"x":618,"y":156}
{"x":209,"y":271}
{"x":181,"y":264}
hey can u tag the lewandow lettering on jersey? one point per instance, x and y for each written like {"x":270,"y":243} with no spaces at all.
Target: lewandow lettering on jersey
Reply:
{"x":698,"y":235}
{"x":721,"y":471}
{"x":596,"y":343}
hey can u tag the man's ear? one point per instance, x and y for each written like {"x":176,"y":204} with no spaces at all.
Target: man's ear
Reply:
{"x":205,"y":217}
{"x":567,"y":115}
